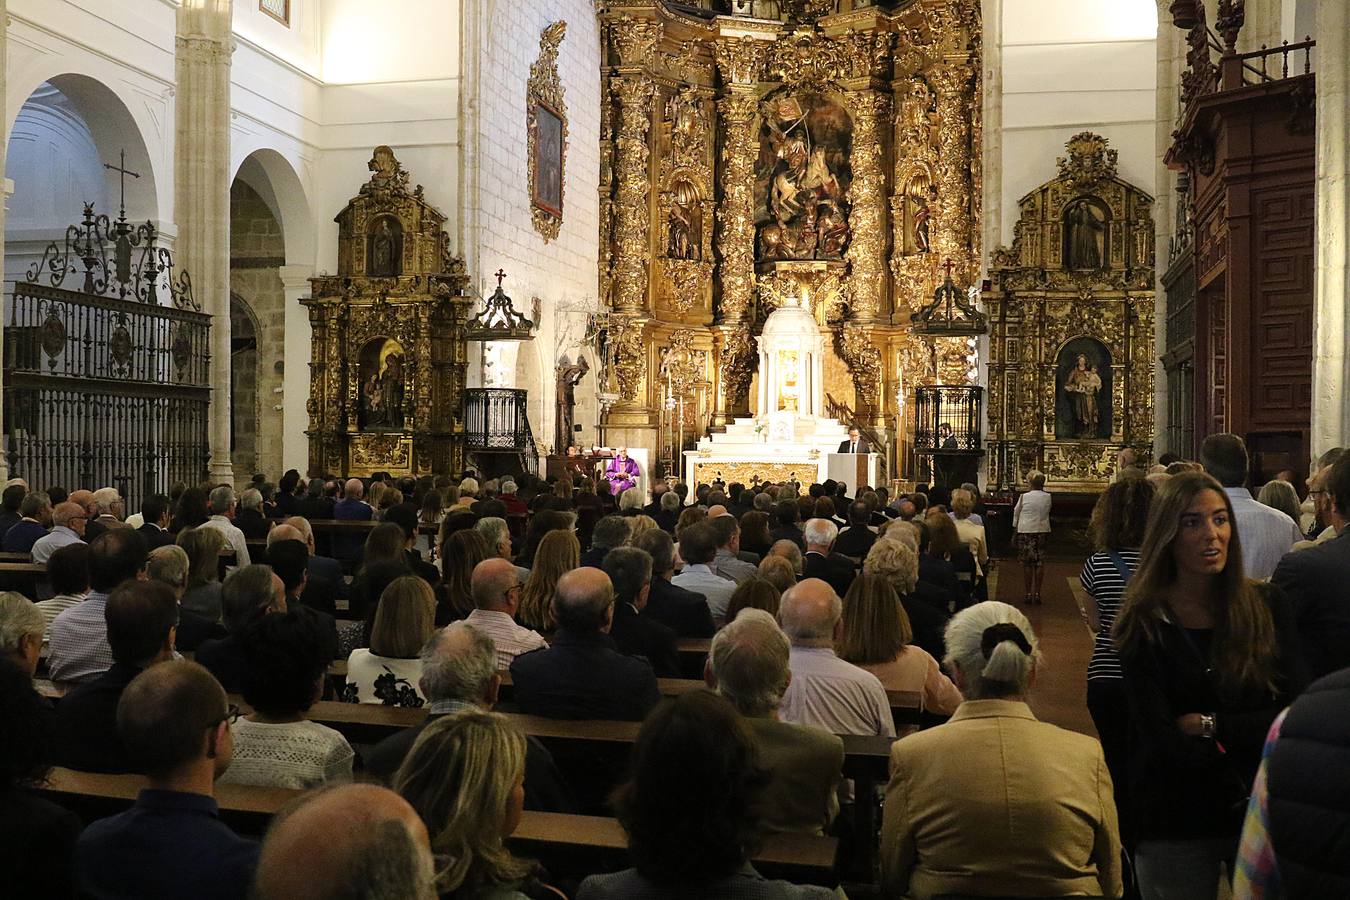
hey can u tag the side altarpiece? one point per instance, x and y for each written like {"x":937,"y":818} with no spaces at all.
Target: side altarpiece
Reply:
{"x":1071,"y":308}
{"x":389,"y":347}
{"x":823,"y":154}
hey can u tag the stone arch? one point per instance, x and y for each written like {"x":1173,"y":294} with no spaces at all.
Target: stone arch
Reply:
{"x":244,"y":443}
{"x":115,"y":122}
{"x":276,"y":180}
{"x":62,"y":134}
{"x":257,"y":253}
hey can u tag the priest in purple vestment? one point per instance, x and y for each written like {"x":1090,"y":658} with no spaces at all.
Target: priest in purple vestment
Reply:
{"x":621,"y":472}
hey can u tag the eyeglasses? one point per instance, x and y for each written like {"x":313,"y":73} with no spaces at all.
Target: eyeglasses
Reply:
{"x":232,"y":714}
{"x":515,"y":587}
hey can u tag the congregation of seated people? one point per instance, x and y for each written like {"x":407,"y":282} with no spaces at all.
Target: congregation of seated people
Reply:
{"x":737,"y":648}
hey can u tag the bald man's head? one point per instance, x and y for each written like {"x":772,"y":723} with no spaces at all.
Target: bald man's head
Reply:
{"x":354,"y":489}
{"x":86,"y":501}
{"x":809,"y":612}
{"x":357,"y":840}
{"x":493,"y":583}
{"x":281,"y":533}
{"x":584,"y":600}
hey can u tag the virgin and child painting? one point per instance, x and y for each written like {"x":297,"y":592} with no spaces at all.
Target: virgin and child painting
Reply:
{"x":382,"y":374}
{"x":1083,"y":391}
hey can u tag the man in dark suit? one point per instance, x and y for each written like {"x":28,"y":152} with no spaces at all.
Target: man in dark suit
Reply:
{"x":10,"y":501}
{"x":453,"y":652}
{"x":609,"y":532}
{"x":669,"y":516}
{"x":155,"y":513}
{"x":684,"y":611}
{"x":785,"y":515}
{"x":856,"y":443}
{"x":1314,"y":579}
{"x":857,"y":538}
{"x":582,"y":675}
{"x":251,"y":518}
{"x":821,"y":561}
{"x":36,"y":510}
{"x":635,"y":632}
{"x":659,"y":488}
{"x":324,"y":584}
{"x":141,"y":618}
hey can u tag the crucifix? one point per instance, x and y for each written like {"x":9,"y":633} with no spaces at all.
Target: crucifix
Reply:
{"x":949,"y":265}
{"x":500,"y":275}
{"x":122,"y":168}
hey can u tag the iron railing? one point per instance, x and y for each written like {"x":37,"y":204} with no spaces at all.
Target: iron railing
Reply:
{"x":957,"y":407}
{"x":104,"y":386}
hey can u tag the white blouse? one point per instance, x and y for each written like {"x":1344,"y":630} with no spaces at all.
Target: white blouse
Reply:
{"x":288,"y":755}
{"x":1031,"y":515}
{"x":383,"y":679}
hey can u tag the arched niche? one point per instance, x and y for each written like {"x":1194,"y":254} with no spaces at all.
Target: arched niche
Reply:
{"x":277,"y":181}
{"x":381,"y":385}
{"x":384,"y":247}
{"x":1086,"y":224}
{"x":1083,"y":384}
{"x":95,"y":114}
{"x":802,"y":176}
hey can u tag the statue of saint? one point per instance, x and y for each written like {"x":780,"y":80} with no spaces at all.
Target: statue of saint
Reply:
{"x":386,"y":250}
{"x":1082,"y":385}
{"x":569,"y":376}
{"x":683,"y":241}
{"x":1086,"y":236}
{"x":922,"y":243}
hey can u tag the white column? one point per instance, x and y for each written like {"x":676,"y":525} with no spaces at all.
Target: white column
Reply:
{"x":1331,"y":366}
{"x":4,"y":201}
{"x":763,"y":392}
{"x":991,"y":169}
{"x":818,"y":394}
{"x":202,"y":192}
{"x":295,"y":375}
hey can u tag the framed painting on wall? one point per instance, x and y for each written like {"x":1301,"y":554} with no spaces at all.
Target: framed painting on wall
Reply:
{"x":548,"y":159}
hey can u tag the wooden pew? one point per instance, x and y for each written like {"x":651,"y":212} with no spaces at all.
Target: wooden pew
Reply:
{"x":22,"y":577}
{"x":248,"y":809}
{"x":15,"y":557}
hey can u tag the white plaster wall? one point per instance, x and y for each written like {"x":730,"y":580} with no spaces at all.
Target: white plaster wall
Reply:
{"x":409,"y":40}
{"x":300,"y":44}
{"x":496,"y":223}
{"x":1071,"y":66}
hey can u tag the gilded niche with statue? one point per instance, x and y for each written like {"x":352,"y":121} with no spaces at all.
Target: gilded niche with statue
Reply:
{"x":388,"y":354}
{"x":1072,"y":304}
{"x":757,"y":154}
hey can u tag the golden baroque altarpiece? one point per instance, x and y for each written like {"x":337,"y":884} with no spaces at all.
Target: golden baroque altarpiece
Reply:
{"x":829,"y":156}
{"x":389,"y":348}
{"x":1071,"y":310}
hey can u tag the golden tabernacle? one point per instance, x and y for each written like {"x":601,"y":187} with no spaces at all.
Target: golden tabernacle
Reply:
{"x":822,"y":155}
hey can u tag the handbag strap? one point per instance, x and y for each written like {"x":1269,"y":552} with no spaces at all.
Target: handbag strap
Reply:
{"x":1122,"y":567}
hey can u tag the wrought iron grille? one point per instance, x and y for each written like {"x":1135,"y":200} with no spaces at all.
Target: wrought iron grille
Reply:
{"x":495,"y":419}
{"x":955,"y":407}
{"x":105,"y":387}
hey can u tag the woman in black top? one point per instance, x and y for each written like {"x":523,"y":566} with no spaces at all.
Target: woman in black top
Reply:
{"x":1209,"y":659}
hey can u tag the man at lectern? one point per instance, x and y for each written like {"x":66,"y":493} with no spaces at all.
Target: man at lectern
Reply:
{"x":856,"y":443}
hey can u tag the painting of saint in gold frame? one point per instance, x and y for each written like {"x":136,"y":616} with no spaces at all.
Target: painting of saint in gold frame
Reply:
{"x":547,"y":164}
{"x":382,"y":386}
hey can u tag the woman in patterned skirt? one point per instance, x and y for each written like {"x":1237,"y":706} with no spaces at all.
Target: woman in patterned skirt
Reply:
{"x":1031,"y":518}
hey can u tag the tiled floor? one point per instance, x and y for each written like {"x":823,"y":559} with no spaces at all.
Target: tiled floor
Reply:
{"x":1066,"y":643}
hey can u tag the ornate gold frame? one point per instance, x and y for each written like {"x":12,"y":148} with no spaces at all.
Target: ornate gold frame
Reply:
{"x":545,"y":90}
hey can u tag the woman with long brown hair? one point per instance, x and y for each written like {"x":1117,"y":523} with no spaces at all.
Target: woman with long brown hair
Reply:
{"x":460,"y":552}
{"x":558,"y":552}
{"x":1209,"y":659}
{"x":877,"y":636}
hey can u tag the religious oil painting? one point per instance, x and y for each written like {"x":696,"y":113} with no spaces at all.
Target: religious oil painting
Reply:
{"x":1083,"y":391}
{"x":802,"y":178}
{"x":548,"y":159}
{"x":382,"y":372}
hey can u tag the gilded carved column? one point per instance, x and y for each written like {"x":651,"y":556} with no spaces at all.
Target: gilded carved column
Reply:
{"x":202,"y":192}
{"x":632,"y":213}
{"x":740,"y":61}
{"x":953,"y":83}
{"x":867,"y":198}
{"x":634,"y":43}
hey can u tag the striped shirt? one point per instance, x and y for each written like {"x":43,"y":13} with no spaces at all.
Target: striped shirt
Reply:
{"x":1101,"y":579}
{"x":510,"y":639}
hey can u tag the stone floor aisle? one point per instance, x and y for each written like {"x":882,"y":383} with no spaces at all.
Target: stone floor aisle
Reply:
{"x":1066,"y":643}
